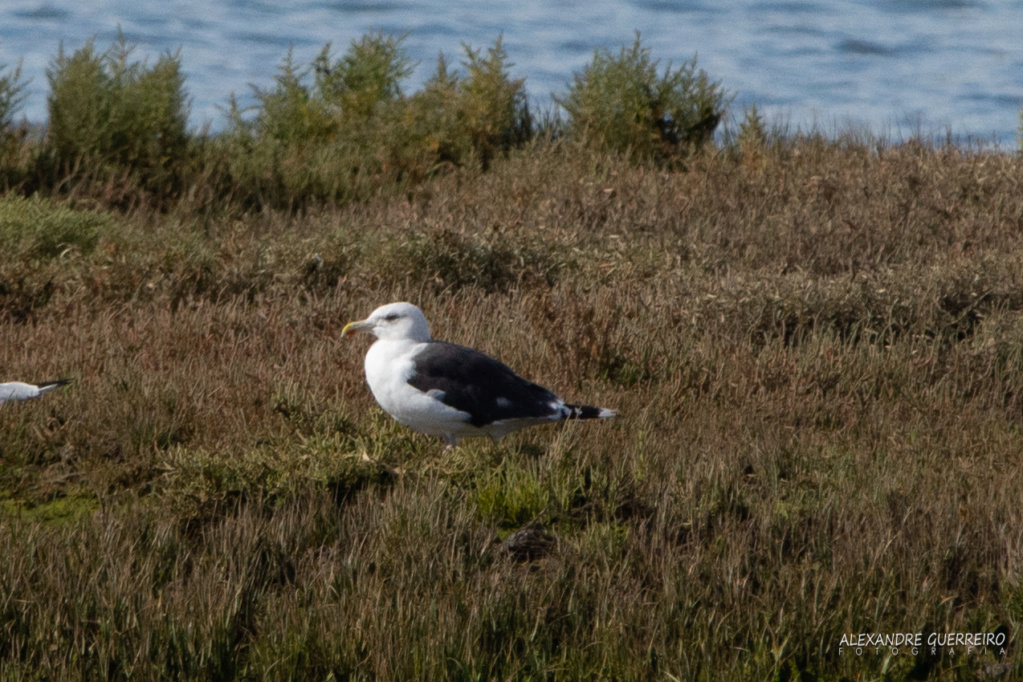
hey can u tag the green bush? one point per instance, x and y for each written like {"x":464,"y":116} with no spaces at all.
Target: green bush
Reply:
{"x":474,"y":117}
{"x":110,"y":114}
{"x":313,"y":143}
{"x":288,"y":112}
{"x":333,"y":130}
{"x":752,"y":130}
{"x":39,"y":228}
{"x":12,"y":141}
{"x":620,"y":103}
{"x":340,"y":129}
{"x":344,"y":93}
{"x":12,"y":94}
{"x":368,"y":76}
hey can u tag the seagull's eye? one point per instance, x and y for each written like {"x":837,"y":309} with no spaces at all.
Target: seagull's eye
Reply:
{"x":392,"y":317}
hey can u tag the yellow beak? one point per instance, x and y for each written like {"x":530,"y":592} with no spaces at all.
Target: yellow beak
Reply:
{"x":353,"y":328}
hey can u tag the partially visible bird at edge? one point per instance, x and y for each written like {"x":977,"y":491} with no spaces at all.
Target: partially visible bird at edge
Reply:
{"x":19,"y":390}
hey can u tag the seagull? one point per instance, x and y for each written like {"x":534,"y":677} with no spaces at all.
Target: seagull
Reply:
{"x":443,"y":389}
{"x":19,"y":390}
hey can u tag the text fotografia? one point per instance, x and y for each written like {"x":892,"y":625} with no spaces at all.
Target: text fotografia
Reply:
{"x":951,"y":643}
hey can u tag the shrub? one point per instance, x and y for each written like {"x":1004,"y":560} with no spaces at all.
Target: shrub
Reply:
{"x":620,"y":103}
{"x":752,"y":130}
{"x":288,"y":112}
{"x":344,"y":92}
{"x":12,"y":94}
{"x":12,"y":147}
{"x":107,"y":113}
{"x":34,"y":233}
{"x":315,"y":142}
{"x":369,"y":75}
{"x":352,"y":130}
{"x":490,"y":107}
{"x":38,"y":228}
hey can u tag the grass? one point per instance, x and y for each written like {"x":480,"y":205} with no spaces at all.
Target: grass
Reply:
{"x":814,"y":344}
{"x":816,"y":356}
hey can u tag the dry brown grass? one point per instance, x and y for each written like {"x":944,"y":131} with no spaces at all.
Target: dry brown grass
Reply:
{"x":816,"y":348}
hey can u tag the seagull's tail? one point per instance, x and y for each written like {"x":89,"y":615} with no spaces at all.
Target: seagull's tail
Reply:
{"x":588,"y":412}
{"x":50,"y":385}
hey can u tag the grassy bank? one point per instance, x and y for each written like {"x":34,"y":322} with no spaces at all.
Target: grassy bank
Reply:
{"x":815,"y":346}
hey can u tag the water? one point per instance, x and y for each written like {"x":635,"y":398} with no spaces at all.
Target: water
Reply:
{"x":894,"y":67}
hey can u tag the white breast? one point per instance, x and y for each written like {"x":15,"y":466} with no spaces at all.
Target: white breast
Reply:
{"x":389,"y":365}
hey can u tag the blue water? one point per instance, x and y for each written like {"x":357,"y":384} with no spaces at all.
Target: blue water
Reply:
{"x":894,"y":67}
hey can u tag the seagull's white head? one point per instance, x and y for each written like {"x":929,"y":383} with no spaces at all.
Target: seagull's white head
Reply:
{"x":393,"y":322}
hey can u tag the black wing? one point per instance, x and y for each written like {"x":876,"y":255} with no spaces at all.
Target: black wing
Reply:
{"x":488,"y":390}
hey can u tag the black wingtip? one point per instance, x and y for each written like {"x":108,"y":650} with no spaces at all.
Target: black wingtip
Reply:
{"x":54,"y":384}
{"x":589,"y":412}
